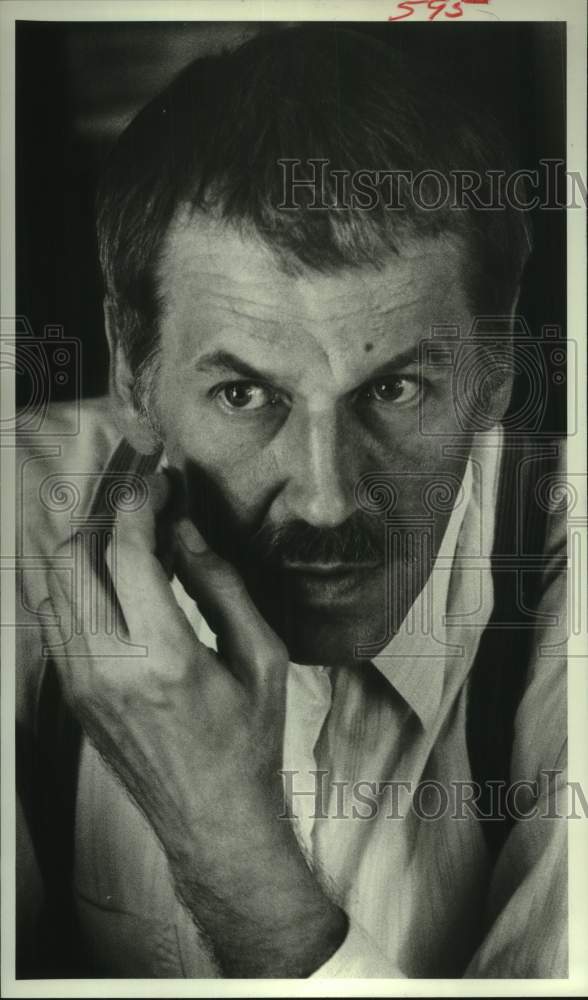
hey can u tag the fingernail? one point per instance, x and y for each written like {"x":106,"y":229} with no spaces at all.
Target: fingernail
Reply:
{"x":190,"y":538}
{"x":175,"y":506}
{"x":158,"y":489}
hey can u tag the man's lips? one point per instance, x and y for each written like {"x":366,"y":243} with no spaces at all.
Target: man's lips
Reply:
{"x":327,"y":583}
{"x":327,"y":569}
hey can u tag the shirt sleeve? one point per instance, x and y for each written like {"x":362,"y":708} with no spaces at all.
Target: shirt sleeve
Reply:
{"x":527,"y":903}
{"x":526,"y":915}
{"x":359,"y":957}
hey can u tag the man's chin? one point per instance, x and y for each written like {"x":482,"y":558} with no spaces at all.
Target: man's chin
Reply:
{"x":334,"y":640}
{"x":329,"y":650}
{"x":324,"y":617}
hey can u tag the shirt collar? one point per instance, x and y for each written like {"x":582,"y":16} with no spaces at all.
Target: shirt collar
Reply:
{"x":413,"y":662}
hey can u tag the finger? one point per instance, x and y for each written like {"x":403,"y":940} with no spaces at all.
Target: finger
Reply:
{"x":65,"y":648}
{"x":50,"y":623}
{"x":48,"y":617}
{"x":169,"y":505}
{"x":81,"y":590}
{"x":247,"y":640}
{"x":147,"y":602}
{"x":133,"y":574}
{"x":139,"y":596}
{"x":145,"y":517}
{"x":54,"y":614}
{"x":138,"y":508}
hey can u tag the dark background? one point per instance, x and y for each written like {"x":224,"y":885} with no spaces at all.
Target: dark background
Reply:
{"x":79,"y":84}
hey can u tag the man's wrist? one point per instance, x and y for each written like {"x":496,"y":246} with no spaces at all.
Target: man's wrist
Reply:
{"x":272,"y":919}
{"x":294,"y":949}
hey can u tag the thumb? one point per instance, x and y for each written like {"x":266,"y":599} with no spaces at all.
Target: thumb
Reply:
{"x":251,"y":647}
{"x":141,"y":517}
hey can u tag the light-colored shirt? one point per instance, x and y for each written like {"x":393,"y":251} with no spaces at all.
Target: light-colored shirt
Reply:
{"x":390,"y":836}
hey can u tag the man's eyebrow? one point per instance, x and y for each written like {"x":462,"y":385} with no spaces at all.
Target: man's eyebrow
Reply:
{"x":405,"y":359}
{"x":225,"y":361}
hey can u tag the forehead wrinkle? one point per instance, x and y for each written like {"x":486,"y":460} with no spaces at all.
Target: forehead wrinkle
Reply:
{"x":251,"y":310}
{"x":373,"y":301}
{"x":244,"y":306}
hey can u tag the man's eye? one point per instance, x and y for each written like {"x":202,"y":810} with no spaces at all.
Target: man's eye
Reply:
{"x":244,"y":396}
{"x":394,"y":389}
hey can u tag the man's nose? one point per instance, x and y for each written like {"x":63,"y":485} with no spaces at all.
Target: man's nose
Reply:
{"x":316,"y":456}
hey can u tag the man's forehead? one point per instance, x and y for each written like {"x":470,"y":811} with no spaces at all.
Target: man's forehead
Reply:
{"x":208,"y":263}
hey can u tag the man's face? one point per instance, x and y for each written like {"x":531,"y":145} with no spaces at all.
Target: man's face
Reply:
{"x":278,"y":394}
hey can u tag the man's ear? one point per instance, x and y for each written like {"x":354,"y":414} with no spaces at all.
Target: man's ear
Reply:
{"x":504,"y":361}
{"x":132,"y":423}
{"x":485,"y":377}
{"x":498,"y":400}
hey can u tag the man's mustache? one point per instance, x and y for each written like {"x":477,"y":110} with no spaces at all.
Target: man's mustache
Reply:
{"x":357,"y":541}
{"x":265,"y":546}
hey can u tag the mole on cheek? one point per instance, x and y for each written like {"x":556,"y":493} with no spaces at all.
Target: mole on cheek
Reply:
{"x":368,"y":347}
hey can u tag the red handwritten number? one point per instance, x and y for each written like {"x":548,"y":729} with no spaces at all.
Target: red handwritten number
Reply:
{"x":408,"y":6}
{"x":436,"y":6}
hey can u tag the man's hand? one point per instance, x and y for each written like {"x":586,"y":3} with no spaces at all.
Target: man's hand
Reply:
{"x":196,"y":738}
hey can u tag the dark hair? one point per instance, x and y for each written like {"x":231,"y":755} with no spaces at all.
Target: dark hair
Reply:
{"x":213,"y":139}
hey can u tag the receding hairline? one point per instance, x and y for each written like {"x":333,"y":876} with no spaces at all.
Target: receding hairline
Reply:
{"x":193,"y":219}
